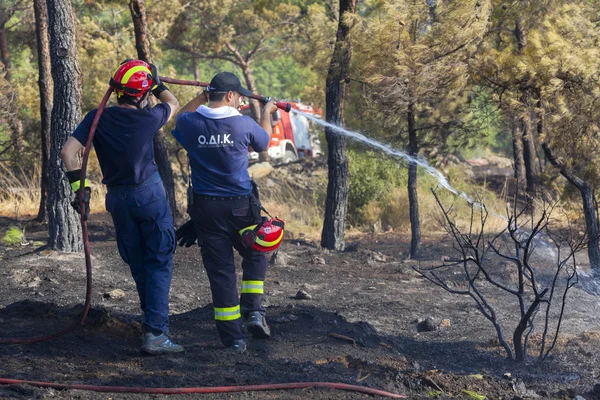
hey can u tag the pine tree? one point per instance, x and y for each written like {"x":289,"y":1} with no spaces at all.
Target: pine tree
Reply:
{"x":235,"y":31}
{"x":63,"y":220}
{"x":336,"y":204}
{"x":543,"y":64}
{"x":413,"y":57}
{"x":45,"y":85}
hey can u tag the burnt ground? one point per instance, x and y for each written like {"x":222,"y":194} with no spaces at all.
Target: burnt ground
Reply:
{"x":369,"y":295}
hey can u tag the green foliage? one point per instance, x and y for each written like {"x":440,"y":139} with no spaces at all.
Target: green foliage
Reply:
{"x":14,"y":236}
{"x":377,"y":192}
{"x":552,"y":73}
{"x":371,"y":177}
{"x":282,"y":77}
{"x":265,"y":42}
{"x":486,"y":125}
{"x":465,"y":85}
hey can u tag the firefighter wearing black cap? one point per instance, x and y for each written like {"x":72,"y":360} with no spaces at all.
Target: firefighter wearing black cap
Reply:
{"x":216,"y":137}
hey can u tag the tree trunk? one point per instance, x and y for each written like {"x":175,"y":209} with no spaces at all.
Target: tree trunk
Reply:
{"x":195,"y":69}
{"x":161,"y":153}
{"x":589,"y":211}
{"x":45,"y":85}
{"x":336,"y":204}
{"x":413,"y":200}
{"x":4,"y":53}
{"x":520,"y":34}
{"x":140,"y":27}
{"x":14,"y":122}
{"x":530,"y":159}
{"x":517,"y":139}
{"x":529,"y":155}
{"x":254,"y":105}
{"x":539,"y":116}
{"x":251,"y":84}
{"x":63,"y":220}
{"x":591,"y":223}
{"x":520,"y":348}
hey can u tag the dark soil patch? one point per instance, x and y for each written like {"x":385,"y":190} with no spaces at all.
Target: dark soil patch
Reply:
{"x":358,"y":328}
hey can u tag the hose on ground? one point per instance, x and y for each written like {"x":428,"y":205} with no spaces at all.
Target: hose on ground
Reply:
{"x":206,"y":390}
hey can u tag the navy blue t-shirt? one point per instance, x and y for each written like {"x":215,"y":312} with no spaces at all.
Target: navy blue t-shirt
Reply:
{"x":217,"y":142}
{"x":123,"y":142}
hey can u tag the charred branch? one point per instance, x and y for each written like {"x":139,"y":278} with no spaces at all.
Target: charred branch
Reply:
{"x":517,"y":245}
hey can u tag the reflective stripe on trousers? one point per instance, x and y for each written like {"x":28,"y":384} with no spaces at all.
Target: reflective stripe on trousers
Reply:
{"x":227,"y":313}
{"x":256,"y":287}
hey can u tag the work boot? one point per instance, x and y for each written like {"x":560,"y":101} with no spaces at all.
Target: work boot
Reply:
{"x":160,"y":344}
{"x":257,"y":325}
{"x":238,"y":346}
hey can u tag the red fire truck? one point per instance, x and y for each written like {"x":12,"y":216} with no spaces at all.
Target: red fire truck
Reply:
{"x":292,"y":135}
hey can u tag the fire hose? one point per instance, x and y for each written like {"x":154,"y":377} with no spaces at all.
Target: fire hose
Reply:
{"x":206,"y":390}
{"x":88,"y":297}
{"x":264,"y":99}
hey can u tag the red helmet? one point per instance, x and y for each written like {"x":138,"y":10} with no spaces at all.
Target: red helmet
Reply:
{"x":265,"y":236}
{"x":133,"y":78}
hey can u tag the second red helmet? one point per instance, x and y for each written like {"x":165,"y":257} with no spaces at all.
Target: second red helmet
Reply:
{"x":265,"y":236}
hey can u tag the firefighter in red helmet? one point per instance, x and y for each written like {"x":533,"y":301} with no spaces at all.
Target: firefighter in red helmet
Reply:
{"x":135,"y":196}
{"x":216,"y":137}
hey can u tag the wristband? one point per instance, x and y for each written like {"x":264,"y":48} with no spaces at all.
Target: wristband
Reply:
{"x":158,"y":89}
{"x":75,"y":186}
{"x":74,"y":180}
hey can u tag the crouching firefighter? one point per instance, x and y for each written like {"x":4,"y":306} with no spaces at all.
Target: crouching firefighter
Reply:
{"x":225,"y":214}
{"x":136,"y":197}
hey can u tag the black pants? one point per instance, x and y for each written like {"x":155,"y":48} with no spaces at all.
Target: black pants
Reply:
{"x":218,"y":222}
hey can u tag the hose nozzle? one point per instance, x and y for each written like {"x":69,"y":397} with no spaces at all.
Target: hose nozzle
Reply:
{"x":287,"y":107}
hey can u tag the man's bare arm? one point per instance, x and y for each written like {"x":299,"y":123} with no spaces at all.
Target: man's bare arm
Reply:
{"x":265,"y":118}
{"x":69,"y":154}
{"x":196,"y":102}
{"x":167,"y":97}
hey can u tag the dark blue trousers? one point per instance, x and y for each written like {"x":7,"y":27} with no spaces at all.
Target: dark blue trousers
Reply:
{"x":146,"y":241}
{"x":218,"y":222}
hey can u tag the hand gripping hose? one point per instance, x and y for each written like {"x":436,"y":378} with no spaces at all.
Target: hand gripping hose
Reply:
{"x":264,"y":99}
{"x":86,"y":242}
{"x":88,"y":298}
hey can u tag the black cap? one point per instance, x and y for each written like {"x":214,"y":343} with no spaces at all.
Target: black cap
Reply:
{"x":226,"y":81}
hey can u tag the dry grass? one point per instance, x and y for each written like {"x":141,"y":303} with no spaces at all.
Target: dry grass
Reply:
{"x":393,"y":210}
{"x":302,"y":209}
{"x":20,"y":194}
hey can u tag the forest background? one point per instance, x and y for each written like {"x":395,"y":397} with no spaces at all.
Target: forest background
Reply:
{"x":447,"y":80}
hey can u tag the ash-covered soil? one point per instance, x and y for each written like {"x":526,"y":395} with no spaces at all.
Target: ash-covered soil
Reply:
{"x":359,"y":327}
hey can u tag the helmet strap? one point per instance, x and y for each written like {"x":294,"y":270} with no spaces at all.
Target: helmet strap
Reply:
{"x":249,"y":236}
{"x":134,"y":101}
{"x":138,"y":104}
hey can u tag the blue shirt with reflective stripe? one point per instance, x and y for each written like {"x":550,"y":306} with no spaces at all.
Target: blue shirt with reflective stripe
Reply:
{"x":217,"y":142}
{"x":123,"y":142}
